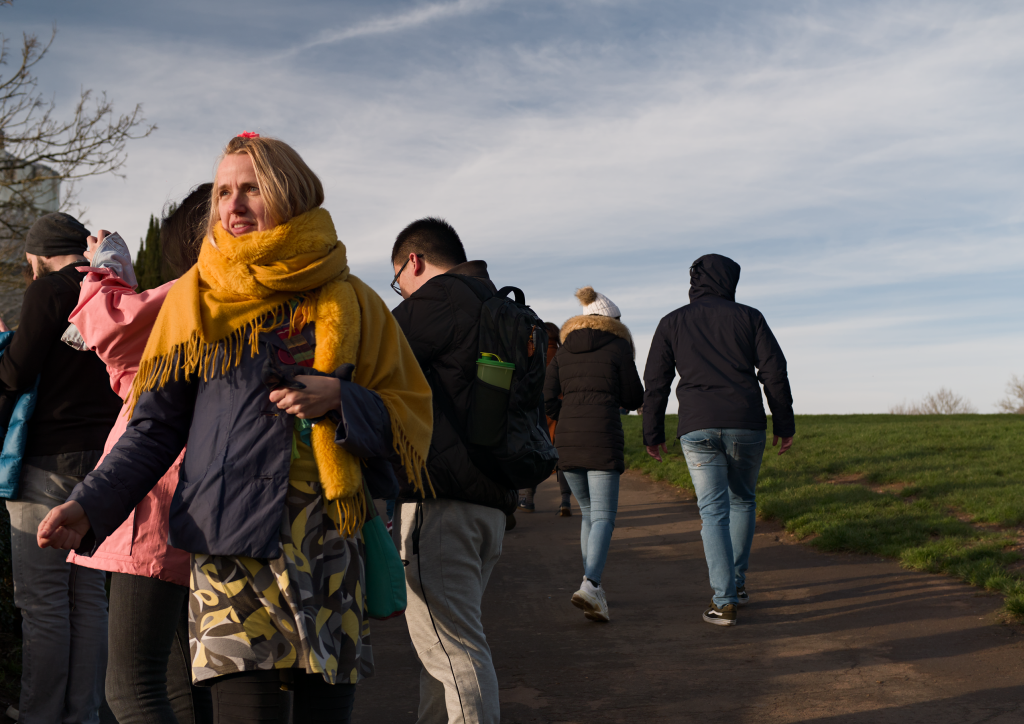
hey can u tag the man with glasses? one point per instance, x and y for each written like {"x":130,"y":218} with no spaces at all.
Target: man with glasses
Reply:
{"x":452,"y":540}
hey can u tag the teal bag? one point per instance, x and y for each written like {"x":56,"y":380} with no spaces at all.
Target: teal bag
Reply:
{"x":16,"y":435}
{"x":385,"y":572}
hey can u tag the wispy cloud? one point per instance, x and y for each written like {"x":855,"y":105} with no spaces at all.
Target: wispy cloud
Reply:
{"x":397,"y":23}
{"x":862,"y":162}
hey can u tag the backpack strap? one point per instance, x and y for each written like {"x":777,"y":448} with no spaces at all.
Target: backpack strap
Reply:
{"x":481,"y":290}
{"x":517,"y":292}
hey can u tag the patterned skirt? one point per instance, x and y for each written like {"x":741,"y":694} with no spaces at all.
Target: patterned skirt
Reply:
{"x":305,"y":610}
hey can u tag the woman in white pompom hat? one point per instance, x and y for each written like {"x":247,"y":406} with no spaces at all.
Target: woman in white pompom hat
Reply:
{"x":595,"y":375}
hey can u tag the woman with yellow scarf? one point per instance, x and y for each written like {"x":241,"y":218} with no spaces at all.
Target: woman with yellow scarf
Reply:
{"x":294,"y":392}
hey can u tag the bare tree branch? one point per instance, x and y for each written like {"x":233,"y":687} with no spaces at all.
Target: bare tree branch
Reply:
{"x":1014,"y":400}
{"x":943,"y":402}
{"x":43,"y":156}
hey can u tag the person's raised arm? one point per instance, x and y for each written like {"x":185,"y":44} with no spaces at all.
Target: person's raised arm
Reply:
{"x":772,"y":374}
{"x":113,"y":318}
{"x":658,"y":376}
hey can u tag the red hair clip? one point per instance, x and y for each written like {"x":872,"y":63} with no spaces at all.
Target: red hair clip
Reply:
{"x":247,"y":134}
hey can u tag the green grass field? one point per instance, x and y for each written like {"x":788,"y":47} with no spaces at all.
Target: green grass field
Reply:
{"x":942,"y":493}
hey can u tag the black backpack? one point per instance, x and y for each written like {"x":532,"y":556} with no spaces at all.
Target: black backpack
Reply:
{"x":506,"y":432}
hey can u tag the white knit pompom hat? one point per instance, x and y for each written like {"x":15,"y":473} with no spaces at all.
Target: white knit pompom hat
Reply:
{"x":597,"y":303}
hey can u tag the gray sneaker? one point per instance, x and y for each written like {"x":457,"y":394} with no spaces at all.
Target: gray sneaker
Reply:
{"x":724,"y":616}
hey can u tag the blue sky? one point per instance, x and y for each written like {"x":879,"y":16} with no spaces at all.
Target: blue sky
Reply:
{"x":862,"y":161}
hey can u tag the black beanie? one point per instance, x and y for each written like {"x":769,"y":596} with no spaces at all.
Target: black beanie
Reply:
{"x":56,"y":234}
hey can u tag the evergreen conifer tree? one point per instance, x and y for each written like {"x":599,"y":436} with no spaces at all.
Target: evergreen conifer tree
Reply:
{"x":147,"y":261}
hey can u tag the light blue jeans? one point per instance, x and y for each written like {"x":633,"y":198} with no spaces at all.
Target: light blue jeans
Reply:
{"x":724,"y":464}
{"x":597,"y":492}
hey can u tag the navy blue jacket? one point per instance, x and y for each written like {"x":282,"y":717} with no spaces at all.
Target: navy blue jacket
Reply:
{"x":231,"y":493}
{"x":721,"y":351}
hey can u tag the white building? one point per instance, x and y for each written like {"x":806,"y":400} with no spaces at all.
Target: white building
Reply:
{"x":42,"y":184}
{"x":25,"y":195}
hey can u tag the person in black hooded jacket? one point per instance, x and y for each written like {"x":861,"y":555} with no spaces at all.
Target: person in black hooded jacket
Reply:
{"x":594,"y":374}
{"x":721,"y":351}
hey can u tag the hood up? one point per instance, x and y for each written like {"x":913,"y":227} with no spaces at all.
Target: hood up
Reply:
{"x":598,"y":329}
{"x":714,"y":275}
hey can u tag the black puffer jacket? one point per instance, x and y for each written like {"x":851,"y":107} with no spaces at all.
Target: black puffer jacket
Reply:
{"x":76,"y":407}
{"x":721,"y":350}
{"x":441,"y":321}
{"x":595,"y":373}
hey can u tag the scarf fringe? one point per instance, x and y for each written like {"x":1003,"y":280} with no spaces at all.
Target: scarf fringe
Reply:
{"x":351,"y":513}
{"x":198,"y":358}
{"x":413,"y":463}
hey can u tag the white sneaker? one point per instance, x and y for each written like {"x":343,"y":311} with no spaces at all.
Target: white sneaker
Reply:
{"x":592,"y":601}
{"x":12,"y":713}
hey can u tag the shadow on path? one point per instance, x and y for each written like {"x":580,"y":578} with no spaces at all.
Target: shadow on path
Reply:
{"x":827,"y":638}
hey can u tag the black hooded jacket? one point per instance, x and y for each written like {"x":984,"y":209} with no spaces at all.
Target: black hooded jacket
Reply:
{"x":441,"y":321}
{"x":594,"y":373}
{"x":721,"y":350}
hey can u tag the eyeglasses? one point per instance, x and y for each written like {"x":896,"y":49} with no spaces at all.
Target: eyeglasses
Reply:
{"x":394,"y":282}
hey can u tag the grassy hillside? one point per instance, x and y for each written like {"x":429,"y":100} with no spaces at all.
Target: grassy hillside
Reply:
{"x":939,"y":493}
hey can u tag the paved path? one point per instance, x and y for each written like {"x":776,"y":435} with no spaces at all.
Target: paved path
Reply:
{"x":826,"y":638}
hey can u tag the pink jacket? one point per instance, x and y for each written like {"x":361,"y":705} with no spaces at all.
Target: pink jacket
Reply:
{"x":115,"y":322}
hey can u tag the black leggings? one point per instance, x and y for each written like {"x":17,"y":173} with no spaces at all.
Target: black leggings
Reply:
{"x":149,"y":670}
{"x":256,"y":697}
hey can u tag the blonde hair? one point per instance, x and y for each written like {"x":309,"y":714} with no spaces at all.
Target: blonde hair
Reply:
{"x":288,"y":186}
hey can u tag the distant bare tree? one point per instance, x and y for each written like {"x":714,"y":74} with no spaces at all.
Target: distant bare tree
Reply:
{"x":943,"y":402}
{"x":39,"y":152}
{"x":1014,"y":400}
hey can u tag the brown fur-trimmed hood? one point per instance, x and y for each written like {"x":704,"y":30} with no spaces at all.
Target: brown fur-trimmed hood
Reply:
{"x":600,"y":323}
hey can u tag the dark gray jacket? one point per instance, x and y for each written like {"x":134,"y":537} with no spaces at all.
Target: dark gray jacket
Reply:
{"x":231,"y":493}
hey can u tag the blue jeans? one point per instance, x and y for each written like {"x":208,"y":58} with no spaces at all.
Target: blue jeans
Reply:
{"x":724,"y":464}
{"x":63,"y":612}
{"x":597,"y":492}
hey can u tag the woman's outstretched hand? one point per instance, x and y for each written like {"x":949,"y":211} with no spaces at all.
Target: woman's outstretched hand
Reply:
{"x":63,"y":527}
{"x":322,"y":394}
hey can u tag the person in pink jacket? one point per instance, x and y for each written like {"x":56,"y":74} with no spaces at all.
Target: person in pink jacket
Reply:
{"x":148,"y":669}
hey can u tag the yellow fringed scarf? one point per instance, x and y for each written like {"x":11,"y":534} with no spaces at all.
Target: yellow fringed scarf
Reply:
{"x":242,"y":286}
